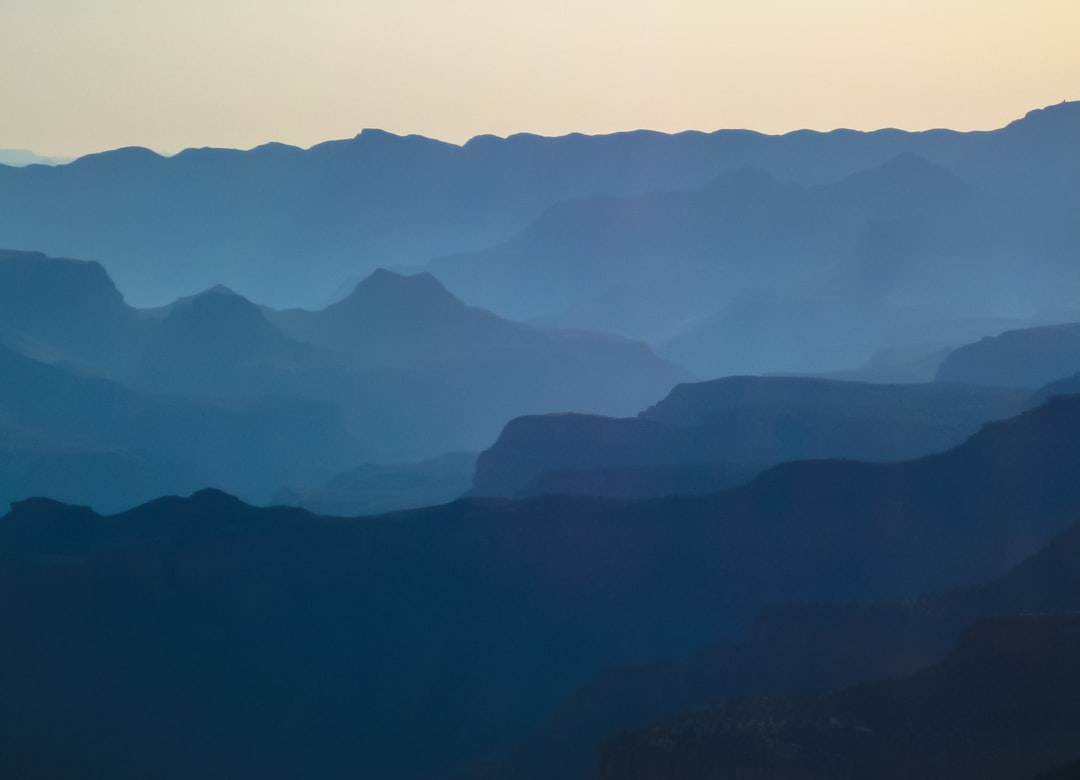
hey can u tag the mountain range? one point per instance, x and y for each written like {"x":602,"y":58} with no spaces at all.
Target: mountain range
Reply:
{"x":730,"y":252}
{"x":137,"y":640}
{"x":258,"y":220}
{"x":751,"y":272}
{"x":398,"y":371}
{"x":790,"y":650}
{"x":1027,"y":357}
{"x":707,"y":455}
{"x":708,"y":436}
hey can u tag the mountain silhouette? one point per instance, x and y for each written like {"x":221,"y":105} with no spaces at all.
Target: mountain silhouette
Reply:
{"x":748,"y":274}
{"x":798,"y":279}
{"x":391,"y":317}
{"x":784,"y":575}
{"x":342,"y":644}
{"x":796,"y":649}
{"x":61,"y":310}
{"x":1030,"y":357}
{"x":89,"y":440}
{"x":398,"y":371}
{"x":708,"y":436}
{"x":167,"y":227}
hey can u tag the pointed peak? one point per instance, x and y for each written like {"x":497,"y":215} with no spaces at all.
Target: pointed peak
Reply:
{"x":215,"y":499}
{"x":384,"y":139}
{"x":219,"y":294}
{"x":221,"y":289}
{"x":382,"y":283}
{"x":127,"y":156}
{"x":906,"y":173}
{"x":217,"y":308}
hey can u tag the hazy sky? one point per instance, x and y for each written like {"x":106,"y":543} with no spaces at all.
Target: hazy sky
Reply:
{"x":86,"y":75}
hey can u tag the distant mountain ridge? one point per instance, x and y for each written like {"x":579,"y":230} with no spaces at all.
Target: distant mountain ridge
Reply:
{"x":751,"y":273}
{"x":708,"y":436}
{"x":730,"y":252}
{"x":1028,"y":357}
{"x":399,"y":371}
{"x":342,"y":208}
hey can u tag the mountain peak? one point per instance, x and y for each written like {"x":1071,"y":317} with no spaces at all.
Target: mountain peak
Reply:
{"x":214,"y":499}
{"x":1068,"y":110}
{"x":30,"y":278}
{"x":42,"y":524}
{"x":221,"y":289}
{"x":374,"y":138}
{"x":216,"y":298}
{"x":216,"y":314}
{"x":908,"y":169}
{"x":387,"y":288}
{"x":125,"y":158}
{"x":1058,"y":122}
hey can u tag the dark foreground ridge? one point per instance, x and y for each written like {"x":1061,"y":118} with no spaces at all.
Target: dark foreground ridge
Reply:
{"x":1001,"y":706}
{"x":404,"y":645}
{"x":791,"y":650}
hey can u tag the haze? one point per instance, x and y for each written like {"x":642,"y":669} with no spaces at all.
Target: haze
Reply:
{"x":83,"y":77}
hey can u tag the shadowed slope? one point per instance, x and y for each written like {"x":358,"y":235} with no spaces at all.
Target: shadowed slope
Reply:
{"x":708,"y":436}
{"x":791,"y":650}
{"x":414,"y":371}
{"x":1001,"y":705}
{"x":344,"y":644}
{"x":1030,"y":357}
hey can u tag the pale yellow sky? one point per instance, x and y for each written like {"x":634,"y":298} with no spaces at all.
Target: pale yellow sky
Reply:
{"x":78,"y":76}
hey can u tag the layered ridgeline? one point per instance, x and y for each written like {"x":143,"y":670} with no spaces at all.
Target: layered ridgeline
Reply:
{"x":732,"y":252}
{"x":709,"y":436}
{"x":403,"y":646}
{"x":1027,"y":357}
{"x":100,"y":397}
{"x":753,"y":272}
{"x":287,"y":226}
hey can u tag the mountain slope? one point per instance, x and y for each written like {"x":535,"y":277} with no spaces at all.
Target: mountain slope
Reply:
{"x":62,"y":310}
{"x":708,"y":436}
{"x":1029,"y":357}
{"x":796,"y":649}
{"x":89,"y":440}
{"x":1001,"y":705}
{"x":166,"y":227}
{"x":345,"y":644}
{"x":750,"y":275}
{"x":400,"y":368}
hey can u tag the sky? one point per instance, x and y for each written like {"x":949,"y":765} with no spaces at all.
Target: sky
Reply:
{"x":79,"y":76}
